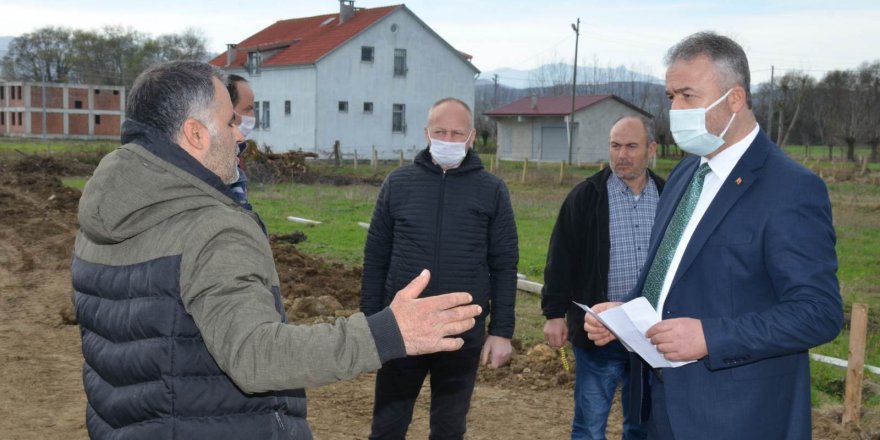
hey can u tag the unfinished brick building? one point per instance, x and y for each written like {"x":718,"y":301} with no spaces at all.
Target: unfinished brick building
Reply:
{"x":71,"y":110}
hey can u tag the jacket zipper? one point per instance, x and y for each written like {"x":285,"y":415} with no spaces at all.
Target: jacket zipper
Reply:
{"x":439,"y":224}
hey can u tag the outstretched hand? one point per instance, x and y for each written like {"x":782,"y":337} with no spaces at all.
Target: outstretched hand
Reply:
{"x":426,"y":323}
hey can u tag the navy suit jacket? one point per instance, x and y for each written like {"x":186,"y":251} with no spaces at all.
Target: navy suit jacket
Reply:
{"x":759,"y":272}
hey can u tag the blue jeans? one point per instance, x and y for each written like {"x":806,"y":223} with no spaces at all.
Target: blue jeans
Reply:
{"x":597,"y":373}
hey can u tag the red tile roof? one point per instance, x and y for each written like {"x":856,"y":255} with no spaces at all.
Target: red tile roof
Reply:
{"x":304,"y":40}
{"x":555,"y":105}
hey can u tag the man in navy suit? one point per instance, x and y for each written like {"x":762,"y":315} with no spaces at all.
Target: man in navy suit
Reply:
{"x":742,"y":264}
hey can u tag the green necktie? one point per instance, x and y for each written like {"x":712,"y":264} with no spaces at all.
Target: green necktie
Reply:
{"x":680,"y":219}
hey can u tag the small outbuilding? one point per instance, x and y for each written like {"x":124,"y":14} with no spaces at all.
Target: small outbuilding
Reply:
{"x":536,"y":127}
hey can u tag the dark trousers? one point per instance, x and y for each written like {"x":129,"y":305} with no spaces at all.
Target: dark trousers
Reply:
{"x":399,"y":381}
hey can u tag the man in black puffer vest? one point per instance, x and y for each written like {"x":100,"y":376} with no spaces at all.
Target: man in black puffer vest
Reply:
{"x":184,"y":333}
{"x":446,"y":213}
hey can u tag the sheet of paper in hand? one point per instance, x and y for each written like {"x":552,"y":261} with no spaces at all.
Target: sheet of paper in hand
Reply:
{"x":629,"y":322}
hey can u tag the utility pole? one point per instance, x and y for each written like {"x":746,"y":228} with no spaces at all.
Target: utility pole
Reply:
{"x":770,"y":106}
{"x":577,"y":34}
{"x":495,"y":96}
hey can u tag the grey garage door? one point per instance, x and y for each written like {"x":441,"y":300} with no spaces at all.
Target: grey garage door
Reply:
{"x":554,"y":144}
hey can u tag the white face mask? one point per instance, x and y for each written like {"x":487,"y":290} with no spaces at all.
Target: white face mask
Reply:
{"x":247,"y":125}
{"x":448,"y":154}
{"x":688,"y":127}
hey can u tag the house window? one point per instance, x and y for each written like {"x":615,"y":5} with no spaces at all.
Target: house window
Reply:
{"x":287,"y":108}
{"x":257,"y":117}
{"x":97,"y":92}
{"x":19,"y":93}
{"x":77,"y":104}
{"x":400,"y":62}
{"x":2,"y":92}
{"x":19,"y":117}
{"x":367,"y":53}
{"x":266,"y":117}
{"x":253,"y":62}
{"x":97,"y":119}
{"x":2,"y":115}
{"x":368,"y":107}
{"x":115,"y":92}
{"x":398,"y":118}
{"x":343,"y":106}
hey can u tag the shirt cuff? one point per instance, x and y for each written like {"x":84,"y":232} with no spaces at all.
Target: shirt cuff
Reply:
{"x":386,"y":335}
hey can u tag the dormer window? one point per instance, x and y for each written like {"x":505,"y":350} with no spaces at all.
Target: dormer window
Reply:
{"x":255,"y":59}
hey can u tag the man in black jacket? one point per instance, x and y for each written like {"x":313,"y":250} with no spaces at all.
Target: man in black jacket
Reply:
{"x":445,"y":213}
{"x":597,"y":249}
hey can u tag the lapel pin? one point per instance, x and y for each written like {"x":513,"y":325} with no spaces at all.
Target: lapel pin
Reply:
{"x":739,"y":180}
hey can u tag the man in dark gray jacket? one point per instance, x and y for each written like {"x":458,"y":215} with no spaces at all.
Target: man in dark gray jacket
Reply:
{"x":444,"y":212}
{"x":597,"y":249}
{"x":183,"y":330}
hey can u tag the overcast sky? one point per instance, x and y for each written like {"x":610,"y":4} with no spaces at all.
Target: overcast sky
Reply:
{"x":813,"y":36}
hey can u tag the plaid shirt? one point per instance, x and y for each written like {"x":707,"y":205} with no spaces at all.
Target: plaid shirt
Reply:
{"x":630,"y":223}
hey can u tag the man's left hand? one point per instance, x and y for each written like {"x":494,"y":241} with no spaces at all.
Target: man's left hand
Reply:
{"x":496,"y":351}
{"x":679,"y":339}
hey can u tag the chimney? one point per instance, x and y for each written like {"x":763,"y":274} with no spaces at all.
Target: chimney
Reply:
{"x":230,"y":54}
{"x":346,"y":10}
{"x":534,"y":102}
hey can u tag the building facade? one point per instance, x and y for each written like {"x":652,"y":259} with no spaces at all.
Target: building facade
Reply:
{"x":364,"y":77}
{"x":73,"y":111}
{"x":536,"y":128}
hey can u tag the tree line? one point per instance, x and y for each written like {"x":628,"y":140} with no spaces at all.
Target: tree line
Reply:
{"x":113,"y":55}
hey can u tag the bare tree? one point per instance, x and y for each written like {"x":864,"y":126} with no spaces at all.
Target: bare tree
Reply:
{"x":795,"y":88}
{"x":42,"y":54}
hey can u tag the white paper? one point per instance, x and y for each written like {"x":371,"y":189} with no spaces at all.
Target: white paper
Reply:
{"x":629,"y":322}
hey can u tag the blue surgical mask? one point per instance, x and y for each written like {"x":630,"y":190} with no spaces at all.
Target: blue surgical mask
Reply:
{"x":448,"y":154}
{"x":688,"y":127}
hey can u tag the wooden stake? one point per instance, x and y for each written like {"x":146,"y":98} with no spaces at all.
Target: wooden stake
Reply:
{"x":375,"y":160}
{"x":401,"y":158}
{"x":524,"y":171}
{"x":855,"y":370}
{"x":561,"y":171}
{"x":355,"y":158}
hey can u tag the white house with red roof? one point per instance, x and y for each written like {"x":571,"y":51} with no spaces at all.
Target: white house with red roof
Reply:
{"x":536,"y":127}
{"x":363,"y":77}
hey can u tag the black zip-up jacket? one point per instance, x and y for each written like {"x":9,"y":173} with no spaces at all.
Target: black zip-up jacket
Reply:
{"x":579,"y":255}
{"x":459,"y":225}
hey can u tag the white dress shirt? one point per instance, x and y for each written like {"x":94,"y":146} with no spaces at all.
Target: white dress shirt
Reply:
{"x":721,"y":165}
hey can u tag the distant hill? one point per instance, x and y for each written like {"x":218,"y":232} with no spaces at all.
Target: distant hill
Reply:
{"x":561,"y":73}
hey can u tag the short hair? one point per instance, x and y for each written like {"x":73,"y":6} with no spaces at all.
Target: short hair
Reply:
{"x":166,"y":94}
{"x":232,"y":81}
{"x":726,"y":55}
{"x":647,"y":124}
{"x":455,"y":100}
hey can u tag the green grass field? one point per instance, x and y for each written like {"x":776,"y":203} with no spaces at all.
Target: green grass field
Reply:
{"x":536,"y":202}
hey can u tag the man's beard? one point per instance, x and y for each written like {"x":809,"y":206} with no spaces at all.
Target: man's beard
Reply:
{"x":223,"y":167}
